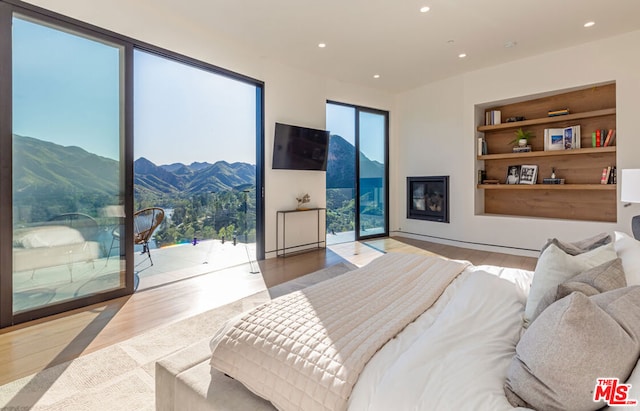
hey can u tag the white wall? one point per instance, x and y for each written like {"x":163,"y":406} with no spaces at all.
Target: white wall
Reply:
{"x":436,"y":136}
{"x":291,"y":96}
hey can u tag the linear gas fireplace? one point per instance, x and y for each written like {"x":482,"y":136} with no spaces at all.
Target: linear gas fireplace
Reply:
{"x":428,"y":198}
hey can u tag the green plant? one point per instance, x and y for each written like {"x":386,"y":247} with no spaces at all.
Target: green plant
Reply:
{"x":522,"y":135}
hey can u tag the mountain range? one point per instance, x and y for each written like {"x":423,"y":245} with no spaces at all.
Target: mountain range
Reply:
{"x":193,"y":178}
{"x":41,"y":165}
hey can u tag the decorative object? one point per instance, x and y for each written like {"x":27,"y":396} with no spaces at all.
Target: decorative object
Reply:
{"x":553,"y":179}
{"x":303,"y":200}
{"x":522,"y":137}
{"x":528,"y":174}
{"x":428,"y":198}
{"x":631,"y":194}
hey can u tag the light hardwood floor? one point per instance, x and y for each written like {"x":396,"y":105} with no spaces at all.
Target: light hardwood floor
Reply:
{"x":33,"y":346}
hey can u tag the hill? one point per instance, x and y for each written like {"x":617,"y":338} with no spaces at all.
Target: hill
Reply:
{"x":341,"y":167}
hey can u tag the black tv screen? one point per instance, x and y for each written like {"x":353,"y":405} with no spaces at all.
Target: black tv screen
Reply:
{"x":300,"y":148}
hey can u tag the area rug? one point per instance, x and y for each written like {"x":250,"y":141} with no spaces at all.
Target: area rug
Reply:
{"x":121,"y":377}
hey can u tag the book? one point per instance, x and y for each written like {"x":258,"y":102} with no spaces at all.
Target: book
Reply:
{"x":612,"y":176}
{"x":613,"y":138}
{"x":496,"y":117}
{"x":593,"y":139}
{"x":553,"y":181}
{"x":492,"y":117}
{"x":525,"y":149}
{"x":598,"y":138}
{"x":604,"y":179}
{"x":607,"y":139}
{"x":561,"y":112}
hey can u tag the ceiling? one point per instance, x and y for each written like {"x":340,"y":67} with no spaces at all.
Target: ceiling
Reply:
{"x":393,"y":39}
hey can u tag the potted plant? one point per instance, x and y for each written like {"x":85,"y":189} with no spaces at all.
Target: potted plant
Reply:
{"x":522,"y":137}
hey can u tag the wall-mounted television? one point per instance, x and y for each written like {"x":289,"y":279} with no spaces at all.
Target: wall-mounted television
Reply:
{"x":300,"y":148}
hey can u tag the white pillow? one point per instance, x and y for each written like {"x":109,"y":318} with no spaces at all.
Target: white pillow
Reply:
{"x":628,"y":249}
{"x":555,"y":267}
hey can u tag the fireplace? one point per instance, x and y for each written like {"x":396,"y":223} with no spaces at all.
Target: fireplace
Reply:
{"x":428,"y":198}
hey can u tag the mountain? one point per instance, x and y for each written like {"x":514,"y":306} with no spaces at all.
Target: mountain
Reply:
{"x":341,"y":167}
{"x":191,"y":179}
{"x":44,"y":166}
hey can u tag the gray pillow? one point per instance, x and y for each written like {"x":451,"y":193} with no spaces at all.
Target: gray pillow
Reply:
{"x":579,"y":247}
{"x":604,"y":277}
{"x":575,"y":341}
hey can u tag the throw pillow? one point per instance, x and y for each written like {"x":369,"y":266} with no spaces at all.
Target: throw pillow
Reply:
{"x":579,"y":247}
{"x":604,"y":277}
{"x":555,"y":266}
{"x":628,"y":249}
{"x":571,"y":344}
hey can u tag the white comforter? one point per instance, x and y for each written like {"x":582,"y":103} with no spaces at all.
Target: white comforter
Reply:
{"x":455,"y":356}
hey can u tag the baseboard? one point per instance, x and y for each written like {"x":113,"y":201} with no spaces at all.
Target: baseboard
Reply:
{"x":494,"y":248}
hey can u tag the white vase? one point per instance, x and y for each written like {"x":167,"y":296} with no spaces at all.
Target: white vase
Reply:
{"x":522,"y":142}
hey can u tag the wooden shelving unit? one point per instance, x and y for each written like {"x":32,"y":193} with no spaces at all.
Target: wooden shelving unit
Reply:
{"x":582,"y":197}
{"x":549,"y":120}
{"x":580,"y":151}
{"x":561,"y":187}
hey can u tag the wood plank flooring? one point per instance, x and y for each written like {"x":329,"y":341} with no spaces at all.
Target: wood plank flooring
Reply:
{"x":33,"y":346}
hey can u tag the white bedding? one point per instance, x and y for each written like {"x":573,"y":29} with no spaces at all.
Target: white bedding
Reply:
{"x":456,"y":354}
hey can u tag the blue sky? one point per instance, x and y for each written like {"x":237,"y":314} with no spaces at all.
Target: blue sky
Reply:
{"x":185,"y":114}
{"x":67,"y":90}
{"x":341,"y":121}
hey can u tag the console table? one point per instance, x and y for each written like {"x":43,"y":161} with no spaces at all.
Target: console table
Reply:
{"x":321,"y":241}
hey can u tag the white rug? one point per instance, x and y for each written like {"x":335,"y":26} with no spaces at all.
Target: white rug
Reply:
{"x":121,"y":377}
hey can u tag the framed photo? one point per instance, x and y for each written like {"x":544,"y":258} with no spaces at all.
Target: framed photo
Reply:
{"x":554,"y":139}
{"x":513,"y":175}
{"x":528,"y":174}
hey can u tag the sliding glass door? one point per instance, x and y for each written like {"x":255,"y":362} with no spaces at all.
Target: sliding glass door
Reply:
{"x":357,"y":173}
{"x":67,"y":227}
{"x":67,"y":164}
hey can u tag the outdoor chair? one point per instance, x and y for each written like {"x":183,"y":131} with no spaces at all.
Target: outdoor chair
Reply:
{"x":145,"y":223}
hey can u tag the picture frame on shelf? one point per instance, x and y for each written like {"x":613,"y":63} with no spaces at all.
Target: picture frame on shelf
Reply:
{"x":513,"y":175}
{"x":528,"y":174}
{"x":554,"y":139}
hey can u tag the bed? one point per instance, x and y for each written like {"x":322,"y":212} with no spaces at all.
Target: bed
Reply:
{"x":487,"y":338}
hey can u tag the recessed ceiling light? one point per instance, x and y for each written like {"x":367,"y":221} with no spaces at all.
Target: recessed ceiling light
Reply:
{"x":590,"y":24}
{"x":322,"y":45}
{"x":462,"y":55}
{"x":424,"y":9}
{"x":376,"y":76}
{"x":510,"y":44}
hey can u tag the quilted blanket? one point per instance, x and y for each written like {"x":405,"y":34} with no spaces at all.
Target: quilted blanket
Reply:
{"x":305,"y":350}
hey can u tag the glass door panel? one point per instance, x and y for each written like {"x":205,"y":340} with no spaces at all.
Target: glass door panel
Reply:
{"x":68,"y":174}
{"x":372,"y":174}
{"x":341,"y":174}
{"x":195,"y":157}
{"x":357,"y":173}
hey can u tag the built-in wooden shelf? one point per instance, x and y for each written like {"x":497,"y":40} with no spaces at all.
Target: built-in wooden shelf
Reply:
{"x":579,"y":151}
{"x":582,"y":198}
{"x":549,"y":120}
{"x":598,"y":187}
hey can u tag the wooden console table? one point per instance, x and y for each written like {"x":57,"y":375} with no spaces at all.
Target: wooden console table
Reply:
{"x":321,"y":240}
